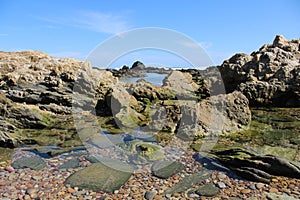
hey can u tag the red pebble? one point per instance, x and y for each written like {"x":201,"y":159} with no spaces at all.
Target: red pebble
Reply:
{"x":9,"y":168}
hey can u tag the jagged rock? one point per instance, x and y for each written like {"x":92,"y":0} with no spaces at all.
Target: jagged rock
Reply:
{"x":187,"y":87}
{"x":6,"y":129}
{"x":221,"y":114}
{"x":165,"y":118}
{"x":270,"y":76}
{"x":138,"y":66}
{"x":33,"y":77}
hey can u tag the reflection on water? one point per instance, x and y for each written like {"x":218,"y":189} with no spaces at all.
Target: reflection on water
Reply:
{"x":153,"y":78}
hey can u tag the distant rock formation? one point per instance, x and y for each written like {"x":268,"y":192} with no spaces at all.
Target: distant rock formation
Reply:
{"x":267,"y":77}
{"x":138,"y":69}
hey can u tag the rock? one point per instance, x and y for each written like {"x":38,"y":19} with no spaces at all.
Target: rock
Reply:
{"x":269,"y":76}
{"x":9,"y":168}
{"x":6,"y":139}
{"x":138,"y":66}
{"x":209,"y":189}
{"x":149,"y":195}
{"x":27,"y":118}
{"x":231,"y":110}
{"x":73,"y":163}
{"x":187,"y":87}
{"x":165,"y":118}
{"x":29,"y":160}
{"x":143,"y":152}
{"x":98,"y":177}
{"x":129,"y":118}
{"x":189,"y":181}
{"x":166,"y":169}
{"x":259,"y":185}
{"x":260,"y":168}
{"x":246,"y":191}
{"x":221,"y":185}
{"x":272,"y":196}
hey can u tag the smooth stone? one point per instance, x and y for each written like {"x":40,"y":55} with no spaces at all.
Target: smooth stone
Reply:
{"x":246,"y":191}
{"x":9,"y":168}
{"x":194,"y":196}
{"x":33,"y":162}
{"x":252,"y":187}
{"x":221,"y":185}
{"x":166,"y":169}
{"x":73,"y":163}
{"x":189,"y":181}
{"x":273,"y":196}
{"x":259,"y":185}
{"x":149,"y":195}
{"x":208,"y":189}
{"x":100,"y":177}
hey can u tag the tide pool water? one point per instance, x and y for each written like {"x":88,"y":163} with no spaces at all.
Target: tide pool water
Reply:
{"x":153,"y":78}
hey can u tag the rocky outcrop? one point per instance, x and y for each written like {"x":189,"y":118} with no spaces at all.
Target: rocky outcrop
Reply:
{"x":267,"y":77}
{"x":138,"y":69}
{"x":35,"y":86}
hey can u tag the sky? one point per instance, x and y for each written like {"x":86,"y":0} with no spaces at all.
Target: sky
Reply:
{"x":70,"y":28}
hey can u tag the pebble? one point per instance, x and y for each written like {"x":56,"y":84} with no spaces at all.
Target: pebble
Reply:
{"x":149,"y":195}
{"x":48,"y":184}
{"x":9,"y":168}
{"x":221,"y":185}
{"x":252,"y":187}
{"x":246,"y":191}
{"x":194,"y":195}
{"x":222,"y":176}
{"x":259,"y":185}
{"x":273,"y":190}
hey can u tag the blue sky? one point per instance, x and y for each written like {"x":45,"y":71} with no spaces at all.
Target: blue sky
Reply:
{"x":69,"y":28}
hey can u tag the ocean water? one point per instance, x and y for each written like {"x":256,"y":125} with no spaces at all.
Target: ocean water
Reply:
{"x":153,"y":78}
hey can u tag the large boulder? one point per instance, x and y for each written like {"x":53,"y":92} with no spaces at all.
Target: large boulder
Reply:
{"x":182,"y":83}
{"x":220,"y":114}
{"x":269,"y":76}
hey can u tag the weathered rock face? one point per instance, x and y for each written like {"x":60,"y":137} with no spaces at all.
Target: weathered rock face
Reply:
{"x":270,"y":76}
{"x":33,"y":77}
{"x":35,"y":85}
{"x":221,"y":114}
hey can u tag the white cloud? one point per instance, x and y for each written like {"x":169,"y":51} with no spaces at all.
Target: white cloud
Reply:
{"x":95,"y":21}
{"x":189,"y":44}
{"x":102,"y":22}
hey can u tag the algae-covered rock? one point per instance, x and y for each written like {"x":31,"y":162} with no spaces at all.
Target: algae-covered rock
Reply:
{"x":209,"y":189}
{"x":30,"y":160}
{"x":146,"y":150}
{"x":99,"y":177}
{"x":255,"y":167}
{"x":189,"y":181}
{"x":166,"y":169}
